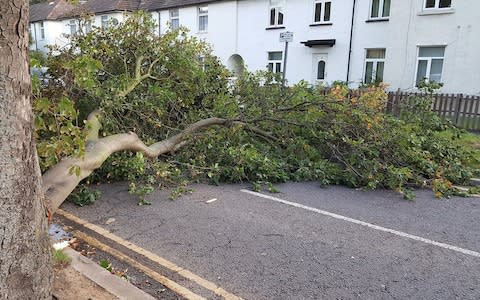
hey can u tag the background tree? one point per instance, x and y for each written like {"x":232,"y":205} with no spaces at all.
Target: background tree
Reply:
{"x":25,"y":269}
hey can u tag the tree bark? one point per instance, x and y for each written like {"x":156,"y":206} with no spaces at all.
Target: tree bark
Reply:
{"x":25,"y":257}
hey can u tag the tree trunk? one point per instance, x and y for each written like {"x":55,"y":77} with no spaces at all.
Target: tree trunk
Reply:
{"x":25,"y":257}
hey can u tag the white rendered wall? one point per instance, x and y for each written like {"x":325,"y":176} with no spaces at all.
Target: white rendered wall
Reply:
{"x":57,"y":31}
{"x":221,"y":33}
{"x":459,"y":31}
{"x":53,"y":31}
{"x":255,"y":41}
{"x":368,"y":35}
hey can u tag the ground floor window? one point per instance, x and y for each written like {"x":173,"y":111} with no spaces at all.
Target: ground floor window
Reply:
{"x":430,"y":64}
{"x":275,"y":61}
{"x":374,"y":65}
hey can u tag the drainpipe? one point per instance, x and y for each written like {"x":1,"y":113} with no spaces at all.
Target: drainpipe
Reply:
{"x":236,"y":27}
{"x":35,"y":35}
{"x":159,"y":26}
{"x":350,"y":44}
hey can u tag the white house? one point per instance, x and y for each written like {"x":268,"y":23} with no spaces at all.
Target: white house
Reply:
{"x":359,"y":41}
{"x":51,"y":23}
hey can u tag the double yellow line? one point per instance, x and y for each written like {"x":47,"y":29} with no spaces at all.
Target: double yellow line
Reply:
{"x":175,"y":287}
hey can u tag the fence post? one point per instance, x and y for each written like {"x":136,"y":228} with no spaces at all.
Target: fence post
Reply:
{"x":396,"y":104}
{"x":457,"y":110}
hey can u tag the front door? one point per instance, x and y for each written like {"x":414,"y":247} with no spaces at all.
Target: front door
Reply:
{"x":319,"y":68}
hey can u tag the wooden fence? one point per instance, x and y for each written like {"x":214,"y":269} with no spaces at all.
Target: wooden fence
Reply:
{"x":462,"y":110}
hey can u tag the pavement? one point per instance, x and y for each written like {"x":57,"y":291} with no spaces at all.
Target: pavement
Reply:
{"x":305,"y":242}
{"x":114,"y":285}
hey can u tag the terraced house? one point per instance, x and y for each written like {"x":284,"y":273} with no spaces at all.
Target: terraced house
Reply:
{"x":398,"y":42}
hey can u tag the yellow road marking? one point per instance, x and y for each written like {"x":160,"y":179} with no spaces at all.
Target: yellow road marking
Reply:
{"x":152,"y":256}
{"x":172,"y":285}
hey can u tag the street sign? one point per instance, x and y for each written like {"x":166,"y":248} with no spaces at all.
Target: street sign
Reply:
{"x":286,"y":37}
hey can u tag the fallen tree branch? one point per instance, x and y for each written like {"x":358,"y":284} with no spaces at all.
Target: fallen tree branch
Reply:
{"x":61,"y":180}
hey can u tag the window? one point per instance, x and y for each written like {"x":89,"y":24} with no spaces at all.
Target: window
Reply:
{"x":430,"y":64}
{"x":73,"y":27}
{"x":275,"y":61}
{"x":201,"y":62}
{"x":88,"y":26}
{"x":42,"y":31}
{"x":380,"y":9}
{"x":31,"y":32}
{"x":276,"y":12}
{"x":104,"y":21}
{"x":321,"y":70}
{"x":433,"y":4}
{"x":203,"y":18}
{"x":374,"y":65}
{"x":174,"y":19}
{"x":323,"y":11}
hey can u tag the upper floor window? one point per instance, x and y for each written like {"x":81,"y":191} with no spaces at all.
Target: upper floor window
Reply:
{"x":374,"y":65}
{"x":203,"y":18}
{"x":432,"y":4}
{"x":104,"y":21}
{"x":276,"y":12}
{"x":323,"y":10}
{"x":42,"y":31}
{"x":73,"y":26}
{"x":430,"y":63}
{"x":174,"y":18}
{"x":275,"y":61}
{"x":380,"y":9}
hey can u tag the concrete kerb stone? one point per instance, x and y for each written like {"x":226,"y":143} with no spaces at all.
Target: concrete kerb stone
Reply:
{"x":113,"y":284}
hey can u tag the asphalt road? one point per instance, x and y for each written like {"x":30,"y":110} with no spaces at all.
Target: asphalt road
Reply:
{"x":322,"y":243}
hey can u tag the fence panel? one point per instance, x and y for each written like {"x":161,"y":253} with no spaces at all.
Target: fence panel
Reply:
{"x":462,"y":110}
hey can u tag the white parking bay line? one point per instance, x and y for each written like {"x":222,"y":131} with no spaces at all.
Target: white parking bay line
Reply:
{"x":369,"y":225}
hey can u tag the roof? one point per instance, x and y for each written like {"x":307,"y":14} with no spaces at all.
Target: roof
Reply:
{"x":166,"y":4}
{"x":50,"y":10}
{"x":99,"y":6}
{"x":59,"y":9}
{"x":311,"y":43}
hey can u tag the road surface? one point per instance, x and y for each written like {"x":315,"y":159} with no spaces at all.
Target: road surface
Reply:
{"x":306,"y":242}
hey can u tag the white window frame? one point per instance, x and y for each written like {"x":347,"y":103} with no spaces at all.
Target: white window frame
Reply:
{"x":87,"y":26}
{"x":31,"y":31}
{"x":104,"y":21}
{"x":279,"y":9}
{"x":73,"y":24}
{"x":437,"y":6}
{"x":174,"y":15}
{"x":42,"y":31}
{"x":322,"y":12}
{"x":200,"y":15}
{"x":429,"y":63}
{"x":201,"y":62}
{"x":381,"y":5}
{"x":375,"y":62}
{"x":274,"y":62}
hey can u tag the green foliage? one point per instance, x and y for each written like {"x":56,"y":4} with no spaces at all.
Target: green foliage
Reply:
{"x":83,"y":195}
{"x":429,"y":86}
{"x":60,"y":258}
{"x":106,"y":265}
{"x":156,"y":86}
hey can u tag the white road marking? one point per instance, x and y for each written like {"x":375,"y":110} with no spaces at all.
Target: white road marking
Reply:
{"x":211,"y":200}
{"x":369,"y":225}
